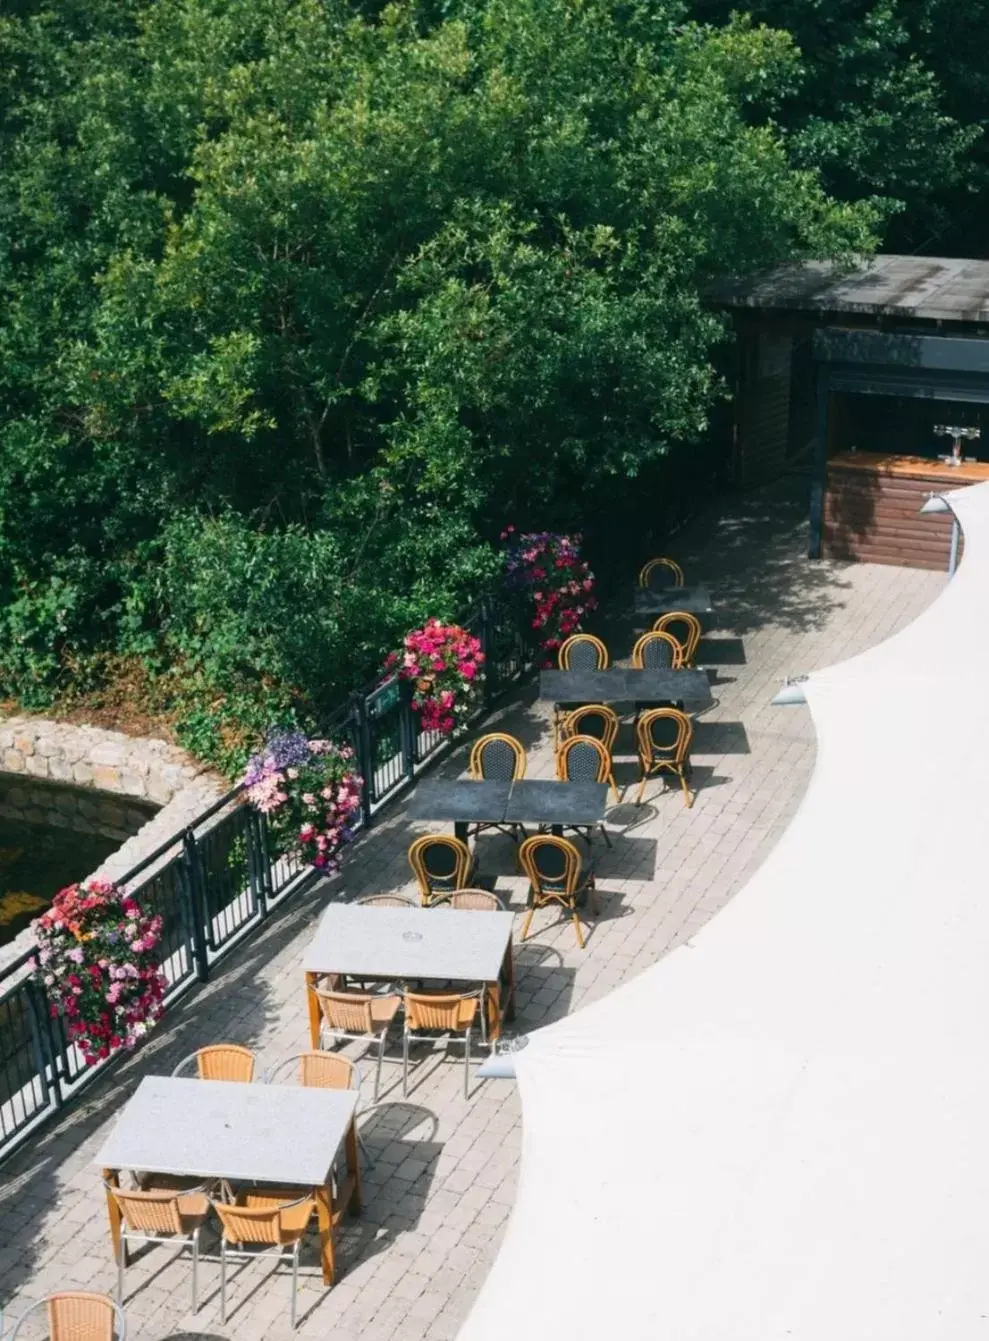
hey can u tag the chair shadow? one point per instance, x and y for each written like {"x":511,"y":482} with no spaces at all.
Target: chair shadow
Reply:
{"x":725,"y":651}
{"x":720,"y":738}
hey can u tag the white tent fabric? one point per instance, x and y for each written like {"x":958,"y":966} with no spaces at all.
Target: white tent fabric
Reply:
{"x":782,"y":1129}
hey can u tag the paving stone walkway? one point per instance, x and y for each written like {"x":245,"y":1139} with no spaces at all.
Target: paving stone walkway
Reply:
{"x":443,"y":1174}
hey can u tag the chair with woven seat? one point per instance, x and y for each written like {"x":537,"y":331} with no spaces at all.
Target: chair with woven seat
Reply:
{"x":428,"y":1014}
{"x":321,"y":1071}
{"x":660,"y":575}
{"x":664,"y":736}
{"x":685,"y":628}
{"x":585,"y":759}
{"x":556,"y":875}
{"x":270,"y":1220}
{"x":474,"y":898}
{"x":74,"y":1315}
{"x":497,"y":757}
{"x":593,"y":719}
{"x":161,"y":1214}
{"x":386,"y":901}
{"x":442,"y":863}
{"x":581,"y":651}
{"x":219,"y":1061}
{"x":359,"y":1016}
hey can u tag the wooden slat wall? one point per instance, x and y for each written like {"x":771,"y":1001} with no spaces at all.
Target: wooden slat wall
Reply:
{"x":875,"y":518}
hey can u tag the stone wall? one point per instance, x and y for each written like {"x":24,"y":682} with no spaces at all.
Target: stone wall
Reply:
{"x":111,"y":764}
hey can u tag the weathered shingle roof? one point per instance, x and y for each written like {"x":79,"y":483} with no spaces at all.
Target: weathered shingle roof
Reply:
{"x":927,"y":288}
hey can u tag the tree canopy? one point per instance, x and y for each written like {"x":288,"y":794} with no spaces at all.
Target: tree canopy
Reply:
{"x":302,"y":300}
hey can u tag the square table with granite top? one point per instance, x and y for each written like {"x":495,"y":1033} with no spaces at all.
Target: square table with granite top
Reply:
{"x":410,"y":944}
{"x":283,"y":1135}
{"x":538,"y":801}
{"x":622,"y":685}
{"x":696,"y":600}
{"x":463,"y":801}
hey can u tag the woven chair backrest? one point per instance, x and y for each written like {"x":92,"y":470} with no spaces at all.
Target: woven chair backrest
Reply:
{"x":661,"y":574}
{"x":439,"y":1012}
{"x":269,"y":1225}
{"x":664,"y":733}
{"x":498,"y":758}
{"x":440,"y":860}
{"x":80,"y":1316}
{"x":582,"y":651}
{"x":657,"y":651}
{"x":150,"y":1212}
{"x":593,"y":719}
{"x":225,"y":1061}
{"x":551,"y":863}
{"x":475,"y":898}
{"x":685,"y":627}
{"x":327,"y":1071}
{"x":347,"y":1011}
{"x":385,"y":901}
{"x":583,"y":759}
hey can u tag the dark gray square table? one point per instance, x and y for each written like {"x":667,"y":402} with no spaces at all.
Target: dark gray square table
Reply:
{"x":535,"y":801}
{"x":696,"y":600}
{"x":408,"y":944}
{"x":462,"y":801}
{"x":621,"y":685}
{"x":284,"y":1135}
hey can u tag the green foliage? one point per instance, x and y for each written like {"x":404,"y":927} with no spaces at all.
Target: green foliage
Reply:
{"x":302,"y":300}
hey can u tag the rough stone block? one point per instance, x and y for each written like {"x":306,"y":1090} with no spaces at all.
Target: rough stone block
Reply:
{"x":82,"y":773}
{"x":106,"y":777}
{"x":25,"y":744}
{"x":36,"y":765}
{"x":13,"y":761}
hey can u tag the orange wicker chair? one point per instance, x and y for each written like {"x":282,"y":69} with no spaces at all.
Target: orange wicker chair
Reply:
{"x":581,"y":651}
{"x":555,"y":876}
{"x":686,"y":629}
{"x":152,"y":1214}
{"x":657,"y":651}
{"x":664,"y":736}
{"x":428,"y":1014}
{"x":219,"y":1061}
{"x":359,"y":1015}
{"x":386,"y":901}
{"x":321,"y":1071}
{"x":659,"y":574}
{"x":270,"y":1220}
{"x":474,"y":898}
{"x":586,"y":759}
{"x":75,"y":1315}
{"x":593,"y":719}
{"x":442,"y":863}
{"x":500,"y":758}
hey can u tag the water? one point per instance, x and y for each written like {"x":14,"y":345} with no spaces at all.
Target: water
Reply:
{"x":51,"y":835}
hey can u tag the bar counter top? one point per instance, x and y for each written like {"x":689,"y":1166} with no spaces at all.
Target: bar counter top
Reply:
{"x":912,"y":467}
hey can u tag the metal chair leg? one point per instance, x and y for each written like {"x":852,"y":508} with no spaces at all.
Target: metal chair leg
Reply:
{"x":195,"y":1270}
{"x":467,"y":1065}
{"x":223,"y":1279}
{"x":604,"y":835}
{"x":377,"y":1073}
{"x":295,"y":1280}
{"x":405,"y":1065}
{"x":121,"y":1258}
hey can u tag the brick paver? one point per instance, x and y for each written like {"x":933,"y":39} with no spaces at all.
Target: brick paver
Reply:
{"x":442,"y":1181}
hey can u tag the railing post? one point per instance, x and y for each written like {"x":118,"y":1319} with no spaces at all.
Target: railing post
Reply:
{"x":487,"y":647}
{"x":258,"y":869}
{"x":196,"y":903}
{"x":407,"y":728}
{"x":362,"y":744}
{"x":49,"y":1057}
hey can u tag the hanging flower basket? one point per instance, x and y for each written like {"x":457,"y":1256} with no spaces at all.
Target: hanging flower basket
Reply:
{"x":99,"y":964}
{"x":548,"y":570}
{"x":445,"y":664}
{"x":310,"y":793}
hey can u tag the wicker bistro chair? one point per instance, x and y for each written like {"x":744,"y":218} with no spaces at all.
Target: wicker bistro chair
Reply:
{"x":664,"y":736}
{"x":442,"y":863}
{"x":152,"y":1214}
{"x":430,"y":1013}
{"x":686,"y":629}
{"x":656,"y":651}
{"x":581,"y":651}
{"x":386,"y":901}
{"x":499,"y":758}
{"x":660,"y":574}
{"x":321,"y":1071}
{"x":585,"y":759}
{"x":593,"y":719}
{"x":270,"y":1220}
{"x":481,"y":899}
{"x":219,"y":1061}
{"x":555,"y":876}
{"x":358,"y":1015}
{"x":75,"y":1315}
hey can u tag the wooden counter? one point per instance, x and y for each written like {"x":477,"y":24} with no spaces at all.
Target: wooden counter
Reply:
{"x":872,"y":508}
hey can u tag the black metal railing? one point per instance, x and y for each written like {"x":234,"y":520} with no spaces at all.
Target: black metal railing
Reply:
{"x":217,"y":880}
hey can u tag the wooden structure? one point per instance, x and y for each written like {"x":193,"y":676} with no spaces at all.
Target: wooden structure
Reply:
{"x":856,"y":374}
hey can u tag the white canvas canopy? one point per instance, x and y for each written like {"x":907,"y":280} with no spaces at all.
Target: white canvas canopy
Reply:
{"x":782,"y":1129}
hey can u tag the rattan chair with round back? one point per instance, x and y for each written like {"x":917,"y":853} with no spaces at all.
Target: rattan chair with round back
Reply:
{"x":321,"y":1071}
{"x":473,"y":899}
{"x":664,"y":736}
{"x":219,"y":1061}
{"x":73,"y":1315}
{"x":660,"y":575}
{"x":556,"y":875}
{"x":497,"y":757}
{"x":581,"y":651}
{"x":585,"y":759}
{"x":441,"y":863}
{"x":386,"y":901}
{"x":593,"y":719}
{"x":685,"y":628}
